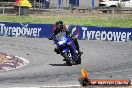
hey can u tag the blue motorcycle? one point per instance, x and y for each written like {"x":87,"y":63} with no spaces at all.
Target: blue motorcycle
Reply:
{"x":67,"y":48}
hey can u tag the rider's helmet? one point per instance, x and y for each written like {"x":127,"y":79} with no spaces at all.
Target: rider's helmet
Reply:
{"x":59,"y":25}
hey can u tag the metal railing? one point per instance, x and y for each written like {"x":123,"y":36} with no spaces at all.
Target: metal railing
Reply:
{"x":6,"y":6}
{"x":11,"y":8}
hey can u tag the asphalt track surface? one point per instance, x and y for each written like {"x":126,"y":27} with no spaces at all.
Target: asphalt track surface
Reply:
{"x":102,"y":59}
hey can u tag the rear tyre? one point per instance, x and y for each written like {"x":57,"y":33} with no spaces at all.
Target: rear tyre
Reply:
{"x":68,"y":60}
{"x":78,"y":61}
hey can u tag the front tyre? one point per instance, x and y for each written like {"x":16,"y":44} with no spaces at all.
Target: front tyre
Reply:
{"x":68,"y":60}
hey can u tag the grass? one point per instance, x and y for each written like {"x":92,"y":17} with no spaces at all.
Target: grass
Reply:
{"x":107,"y":21}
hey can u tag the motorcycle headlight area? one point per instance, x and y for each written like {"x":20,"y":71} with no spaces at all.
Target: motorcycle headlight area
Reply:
{"x":62,"y":41}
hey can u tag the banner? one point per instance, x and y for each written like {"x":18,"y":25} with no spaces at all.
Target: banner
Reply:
{"x":101,"y":33}
{"x":27,"y":30}
{"x":81,"y":32}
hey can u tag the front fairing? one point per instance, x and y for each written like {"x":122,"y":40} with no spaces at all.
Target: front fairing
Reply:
{"x":61,"y":39}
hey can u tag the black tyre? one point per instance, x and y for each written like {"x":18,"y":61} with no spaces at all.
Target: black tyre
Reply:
{"x":68,"y":60}
{"x":78,"y":61}
{"x":84,"y":82}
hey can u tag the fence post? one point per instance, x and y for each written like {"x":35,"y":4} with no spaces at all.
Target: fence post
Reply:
{"x":88,"y":11}
{"x":19,"y":10}
{"x":62,"y":4}
{"x":113,"y":11}
{"x":34,"y":5}
{"x":39,"y":4}
{"x":51,"y":8}
{"x":71,"y":8}
{"x":3,"y":9}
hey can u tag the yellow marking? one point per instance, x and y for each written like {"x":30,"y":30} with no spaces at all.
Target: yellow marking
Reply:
{"x":3,"y":59}
{"x":83,"y":72}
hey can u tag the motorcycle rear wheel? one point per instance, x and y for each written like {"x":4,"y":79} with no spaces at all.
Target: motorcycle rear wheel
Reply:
{"x":78,"y":61}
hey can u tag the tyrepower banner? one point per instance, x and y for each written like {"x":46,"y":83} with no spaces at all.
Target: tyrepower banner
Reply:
{"x":25,"y":29}
{"x":101,"y":33}
{"x":82,"y":32}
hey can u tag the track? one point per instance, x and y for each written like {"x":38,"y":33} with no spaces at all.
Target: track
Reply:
{"x":102,"y":59}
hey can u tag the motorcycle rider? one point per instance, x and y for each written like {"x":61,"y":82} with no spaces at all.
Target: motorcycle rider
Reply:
{"x":59,"y":27}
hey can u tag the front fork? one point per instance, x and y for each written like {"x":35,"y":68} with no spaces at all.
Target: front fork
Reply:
{"x":73,"y":52}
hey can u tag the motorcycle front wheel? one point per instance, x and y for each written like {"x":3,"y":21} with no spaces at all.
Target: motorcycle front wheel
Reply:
{"x":68,"y":59}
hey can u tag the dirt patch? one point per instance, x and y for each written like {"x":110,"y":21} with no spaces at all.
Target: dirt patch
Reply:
{"x":9,"y":62}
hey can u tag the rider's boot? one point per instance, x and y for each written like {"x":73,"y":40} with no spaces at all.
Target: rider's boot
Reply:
{"x":63,"y":56}
{"x":78,"y":49}
{"x":64,"y":59}
{"x":57,"y":51}
{"x":77,"y":46}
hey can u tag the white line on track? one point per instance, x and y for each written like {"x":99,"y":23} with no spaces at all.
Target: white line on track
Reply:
{"x":50,"y":86}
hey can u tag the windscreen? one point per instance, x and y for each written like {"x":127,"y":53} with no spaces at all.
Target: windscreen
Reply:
{"x":60,"y":35}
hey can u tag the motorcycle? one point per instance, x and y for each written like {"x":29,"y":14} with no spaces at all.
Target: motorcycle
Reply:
{"x":67,"y":48}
